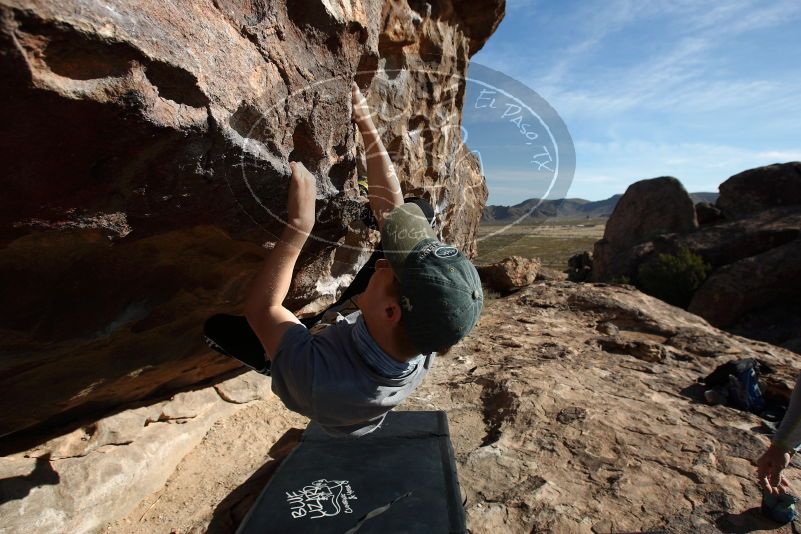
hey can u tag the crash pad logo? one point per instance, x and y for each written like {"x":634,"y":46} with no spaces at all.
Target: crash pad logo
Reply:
{"x":321,"y":498}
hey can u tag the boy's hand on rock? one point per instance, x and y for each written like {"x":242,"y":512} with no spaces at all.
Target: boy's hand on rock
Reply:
{"x":302,"y":199}
{"x":769,"y":470}
{"x":361,"y":111}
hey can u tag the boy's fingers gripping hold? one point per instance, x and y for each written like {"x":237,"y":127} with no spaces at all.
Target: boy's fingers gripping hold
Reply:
{"x":361,"y":111}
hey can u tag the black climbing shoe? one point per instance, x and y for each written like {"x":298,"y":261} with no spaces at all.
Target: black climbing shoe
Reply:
{"x":232,"y":336}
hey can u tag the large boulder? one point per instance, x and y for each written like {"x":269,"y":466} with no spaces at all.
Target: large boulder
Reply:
{"x":750,"y":283}
{"x":509,"y":274}
{"x":579,"y":266}
{"x":746,"y":239}
{"x":707,"y":214}
{"x":648,"y":208}
{"x":731,"y":241}
{"x":145,"y":147}
{"x":761,"y":188}
{"x":723,"y":243}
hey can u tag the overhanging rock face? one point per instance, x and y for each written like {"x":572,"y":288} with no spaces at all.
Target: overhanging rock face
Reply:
{"x":145,"y":147}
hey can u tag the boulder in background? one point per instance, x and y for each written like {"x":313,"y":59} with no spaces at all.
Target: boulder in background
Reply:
{"x":757,"y":189}
{"x":509,"y":274}
{"x":707,"y":214}
{"x":648,"y":208}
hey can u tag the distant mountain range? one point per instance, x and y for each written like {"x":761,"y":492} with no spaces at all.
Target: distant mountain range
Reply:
{"x":566,"y":208}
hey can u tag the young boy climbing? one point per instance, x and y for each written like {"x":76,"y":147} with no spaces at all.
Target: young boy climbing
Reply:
{"x":422,"y":297}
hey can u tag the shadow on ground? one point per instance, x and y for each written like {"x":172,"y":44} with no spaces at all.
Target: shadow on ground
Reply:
{"x":232,"y":510}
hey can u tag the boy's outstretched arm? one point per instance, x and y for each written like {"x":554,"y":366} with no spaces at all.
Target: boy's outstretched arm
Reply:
{"x":264,"y":308}
{"x":385,"y":191}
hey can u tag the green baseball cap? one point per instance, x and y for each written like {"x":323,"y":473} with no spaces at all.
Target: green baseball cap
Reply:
{"x":441,"y":295}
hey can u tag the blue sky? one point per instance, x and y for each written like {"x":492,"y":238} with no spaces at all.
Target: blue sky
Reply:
{"x":699,"y":90}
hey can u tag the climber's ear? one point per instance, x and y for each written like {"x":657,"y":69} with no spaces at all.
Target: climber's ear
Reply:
{"x":392,"y":311}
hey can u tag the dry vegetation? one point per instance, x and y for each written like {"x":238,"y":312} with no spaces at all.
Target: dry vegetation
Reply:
{"x":551,"y":241}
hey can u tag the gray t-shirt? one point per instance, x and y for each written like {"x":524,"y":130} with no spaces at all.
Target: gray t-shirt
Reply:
{"x":323,"y":377}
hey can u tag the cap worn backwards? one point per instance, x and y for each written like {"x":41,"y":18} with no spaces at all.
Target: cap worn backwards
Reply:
{"x":441,"y":295}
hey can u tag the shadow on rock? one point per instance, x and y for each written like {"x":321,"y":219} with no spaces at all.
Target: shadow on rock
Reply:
{"x":43,"y":474}
{"x":750,"y":520}
{"x":694,"y":393}
{"x":232,"y":510}
{"x":35,"y":436}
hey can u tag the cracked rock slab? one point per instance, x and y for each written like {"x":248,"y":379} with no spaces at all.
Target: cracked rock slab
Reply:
{"x":605,"y":433}
{"x":80,"y":481}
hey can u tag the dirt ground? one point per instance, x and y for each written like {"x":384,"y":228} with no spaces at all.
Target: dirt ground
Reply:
{"x":214,"y":485}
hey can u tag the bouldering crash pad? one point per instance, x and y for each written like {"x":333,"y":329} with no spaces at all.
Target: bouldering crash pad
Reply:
{"x":399,"y":478}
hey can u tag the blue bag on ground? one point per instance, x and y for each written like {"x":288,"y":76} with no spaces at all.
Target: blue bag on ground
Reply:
{"x":744,"y":391}
{"x":737,"y":382}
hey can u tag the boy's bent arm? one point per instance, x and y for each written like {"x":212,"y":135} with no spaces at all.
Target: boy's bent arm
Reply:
{"x":264,"y":308}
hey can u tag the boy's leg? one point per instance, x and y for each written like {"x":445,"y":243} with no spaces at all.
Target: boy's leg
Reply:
{"x":232,"y":336}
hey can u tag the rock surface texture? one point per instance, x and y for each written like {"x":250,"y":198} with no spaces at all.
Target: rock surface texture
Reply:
{"x":748,"y":284}
{"x":573,"y":408}
{"x":80,"y":481}
{"x":146,"y":148}
{"x":754,"y":287}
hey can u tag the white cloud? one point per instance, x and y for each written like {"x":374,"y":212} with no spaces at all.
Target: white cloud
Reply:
{"x":605,"y":169}
{"x":684,"y":83}
{"x":681,"y":77}
{"x":699,"y":166}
